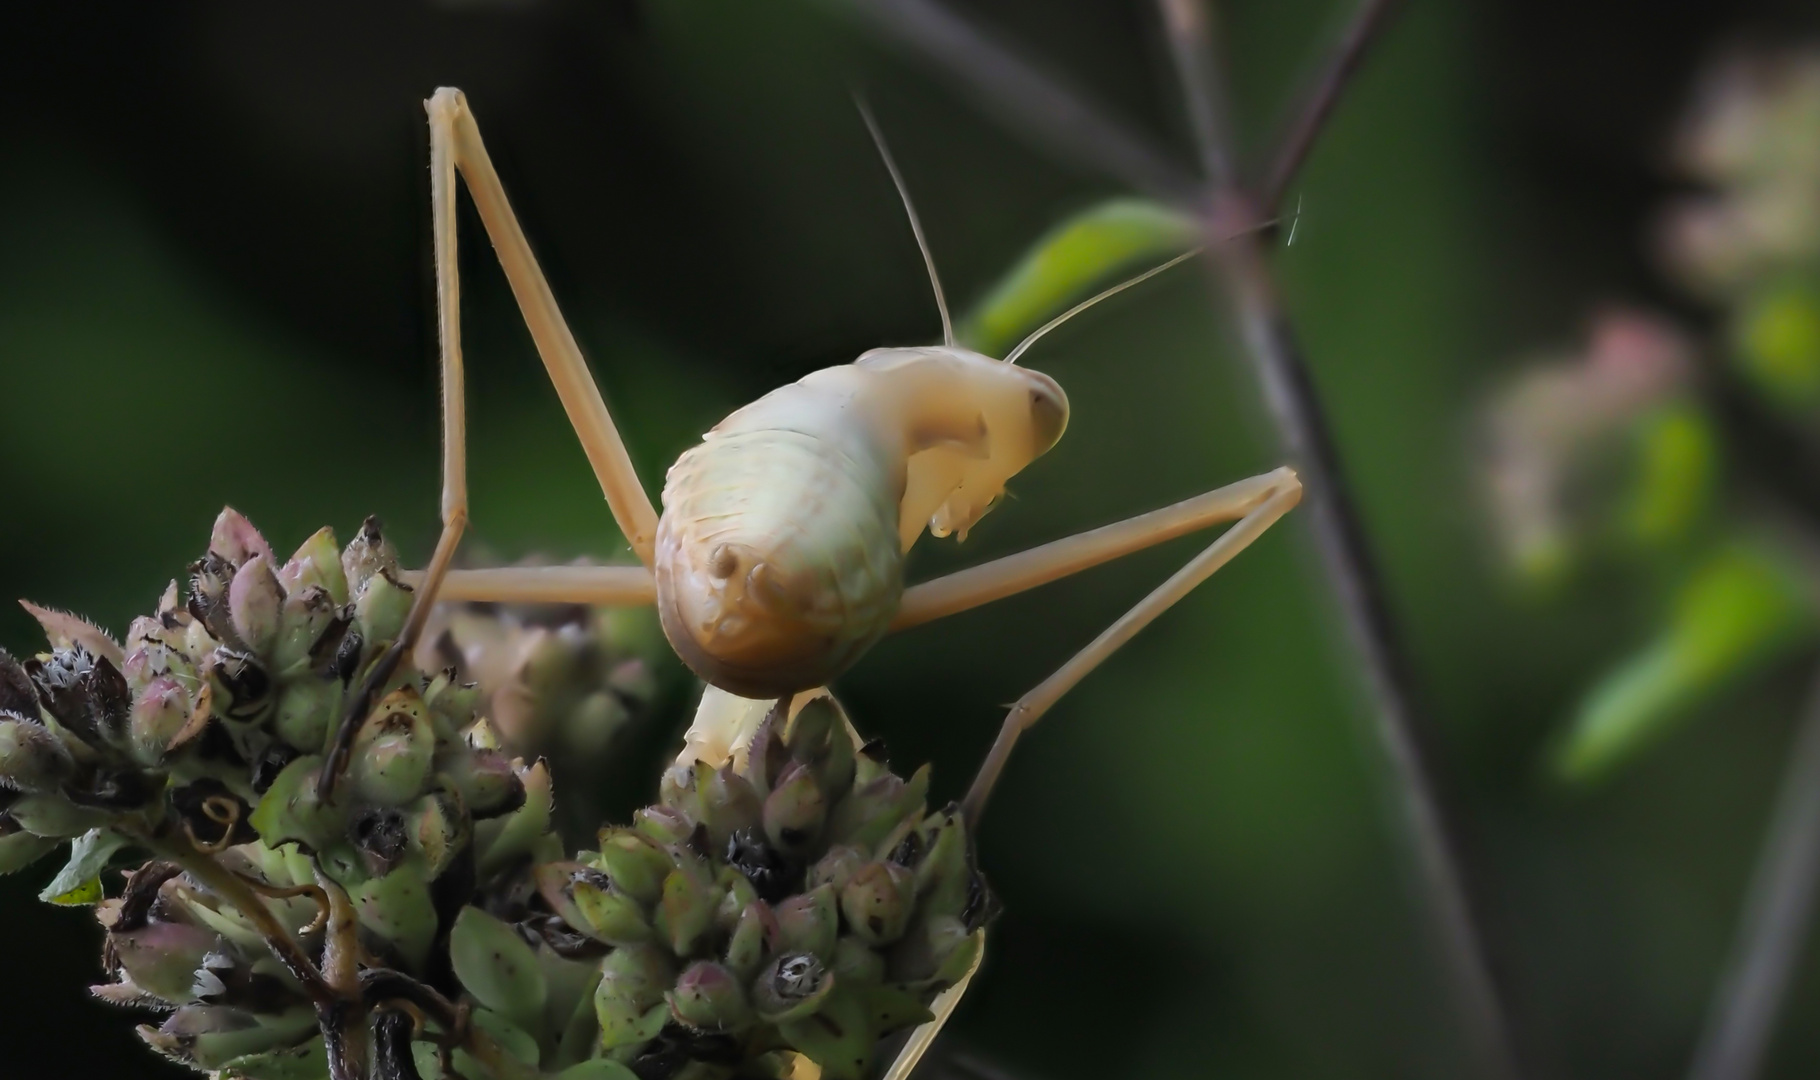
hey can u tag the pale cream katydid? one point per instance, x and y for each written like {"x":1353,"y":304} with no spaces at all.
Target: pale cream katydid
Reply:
{"x":777,"y":560}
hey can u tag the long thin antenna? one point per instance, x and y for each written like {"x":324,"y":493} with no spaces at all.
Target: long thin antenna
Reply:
{"x":916,"y":225}
{"x":1011,"y":358}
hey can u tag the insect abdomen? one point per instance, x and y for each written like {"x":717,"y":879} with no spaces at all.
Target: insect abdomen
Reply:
{"x":778,"y":556}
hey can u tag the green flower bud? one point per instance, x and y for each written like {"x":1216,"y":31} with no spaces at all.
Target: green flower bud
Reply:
{"x":837,"y":867}
{"x":31,"y":758}
{"x":317,"y":564}
{"x":875,"y":810}
{"x":736,"y":895}
{"x":607,"y":915}
{"x":307,"y":708}
{"x":438,"y":828}
{"x":709,"y":998}
{"x":311,"y":632}
{"x":809,"y":923}
{"x":663,"y":824}
{"x":489,"y":784}
{"x":254,"y":598}
{"x":687,"y":908}
{"x":795,"y":810}
{"x":728,"y":803}
{"x":393,"y":750}
{"x":792,"y":987}
{"x":751,"y":939}
{"x":496,"y":966}
{"x":636,"y":866}
{"x":381,"y":607}
{"x":855,"y":964}
{"x":878,"y":902}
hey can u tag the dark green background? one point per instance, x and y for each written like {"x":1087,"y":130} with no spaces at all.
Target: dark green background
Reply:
{"x":215,"y":288}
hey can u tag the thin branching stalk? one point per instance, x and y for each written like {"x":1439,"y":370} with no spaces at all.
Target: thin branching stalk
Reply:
{"x":1026,"y":99}
{"x":1310,"y":117}
{"x":1778,"y":910}
{"x":1045,"y":108}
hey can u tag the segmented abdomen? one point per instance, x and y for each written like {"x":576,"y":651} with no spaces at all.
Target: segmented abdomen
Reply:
{"x":779,"y":561}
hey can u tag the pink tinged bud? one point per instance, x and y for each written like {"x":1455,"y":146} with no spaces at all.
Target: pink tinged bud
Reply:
{"x":809,"y":922}
{"x":254,"y":600}
{"x":709,"y":998}
{"x":162,"y":958}
{"x":162,"y":721}
{"x":317,"y":564}
{"x":235,"y":539}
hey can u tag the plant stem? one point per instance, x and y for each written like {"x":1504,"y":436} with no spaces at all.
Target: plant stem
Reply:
{"x":1018,"y":91}
{"x":224,"y":883}
{"x":1358,"y":592}
{"x":1773,"y":930}
{"x":1027,"y":100}
{"x":1292,"y":149}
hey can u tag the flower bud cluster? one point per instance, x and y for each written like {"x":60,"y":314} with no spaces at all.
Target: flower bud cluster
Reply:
{"x":798,"y":901}
{"x":200,"y":742}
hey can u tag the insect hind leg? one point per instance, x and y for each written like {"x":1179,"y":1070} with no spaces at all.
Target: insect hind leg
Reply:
{"x":1031,"y":707}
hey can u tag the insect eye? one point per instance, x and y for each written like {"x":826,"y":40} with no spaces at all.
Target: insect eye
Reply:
{"x":1048,"y":416}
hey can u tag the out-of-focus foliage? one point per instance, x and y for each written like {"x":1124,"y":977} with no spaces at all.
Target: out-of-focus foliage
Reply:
{"x":1614,"y":456}
{"x":1084,"y":250}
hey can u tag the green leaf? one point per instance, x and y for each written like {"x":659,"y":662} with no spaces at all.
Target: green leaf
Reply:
{"x":497,"y":967}
{"x":1777,"y":341}
{"x":1743,"y":608}
{"x":306,"y":1062}
{"x":79,"y":882}
{"x":1085,"y":250}
{"x":1677,"y":471}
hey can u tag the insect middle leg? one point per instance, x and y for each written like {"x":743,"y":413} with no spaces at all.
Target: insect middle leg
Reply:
{"x":456,"y":147}
{"x":1257,"y":503}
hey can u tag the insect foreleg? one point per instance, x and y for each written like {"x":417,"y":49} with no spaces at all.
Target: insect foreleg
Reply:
{"x":1012,"y":574}
{"x":600,"y":586}
{"x":1034,"y":704}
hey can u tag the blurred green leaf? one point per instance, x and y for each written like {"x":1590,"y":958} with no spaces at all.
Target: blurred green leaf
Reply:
{"x":1676,"y":469}
{"x":1741,"y":609}
{"x":1082,"y":251}
{"x":1777,"y":337}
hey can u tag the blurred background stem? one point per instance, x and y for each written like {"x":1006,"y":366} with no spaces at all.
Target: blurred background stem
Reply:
{"x":1773,"y":931}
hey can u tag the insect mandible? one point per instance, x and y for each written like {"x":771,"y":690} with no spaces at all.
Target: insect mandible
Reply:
{"x":778,"y":558}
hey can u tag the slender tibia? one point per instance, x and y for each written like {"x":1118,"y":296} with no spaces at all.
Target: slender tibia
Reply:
{"x":1040,"y":565}
{"x":601,"y":586}
{"x":1031,"y":707}
{"x":452,"y":125}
